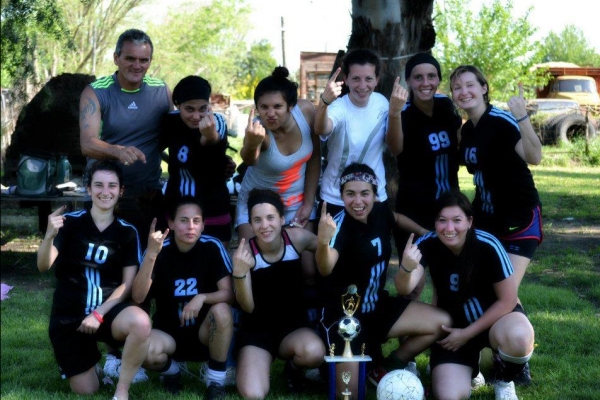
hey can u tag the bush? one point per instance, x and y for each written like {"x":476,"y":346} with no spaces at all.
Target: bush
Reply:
{"x":576,"y":153}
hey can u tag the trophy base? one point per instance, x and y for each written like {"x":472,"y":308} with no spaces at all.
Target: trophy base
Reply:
{"x":362,"y":373}
{"x":337,"y":359}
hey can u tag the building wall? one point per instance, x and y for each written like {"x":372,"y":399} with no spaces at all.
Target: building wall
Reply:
{"x":315,"y":69}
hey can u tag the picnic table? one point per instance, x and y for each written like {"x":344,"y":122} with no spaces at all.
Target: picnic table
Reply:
{"x":44,"y":204}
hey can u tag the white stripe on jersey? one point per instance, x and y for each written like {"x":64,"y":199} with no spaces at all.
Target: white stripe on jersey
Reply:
{"x":187,"y":184}
{"x":222,"y":250}
{"x":497,"y":246}
{"x":473,"y":310}
{"x":496,"y":112}
{"x":94,"y":292}
{"x":140,"y":255}
{"x":338,"y":219}
{"x":441,"y":174}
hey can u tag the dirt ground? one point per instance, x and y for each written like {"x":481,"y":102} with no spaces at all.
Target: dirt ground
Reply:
{"x":19,"y":244}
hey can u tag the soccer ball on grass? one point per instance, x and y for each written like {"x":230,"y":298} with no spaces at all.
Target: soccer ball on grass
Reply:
{"x":400,"y":385}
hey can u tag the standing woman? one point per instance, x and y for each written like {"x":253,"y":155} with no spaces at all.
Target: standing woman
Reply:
{"x":473,"y":280}
{"x":357,"y":126}
{"x":354,"y":248}
{"x":496,"y":149}
{"x":197,"y":142}
{"x":281,"y":152}
{"x":95,"y":256}
{"x":267,"y":276}
{"x":427,"y":153}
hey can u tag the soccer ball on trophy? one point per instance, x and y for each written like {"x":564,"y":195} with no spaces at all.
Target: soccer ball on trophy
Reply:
{"x":400,"y":385}
{"x":348,"y":327}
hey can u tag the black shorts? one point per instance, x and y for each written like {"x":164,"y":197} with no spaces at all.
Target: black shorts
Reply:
{"x":188,"y":346}
{"x":268,"y":339}
{"x":468,"y":354}
{"x":77,"y":352}
{"x":374,"y":327}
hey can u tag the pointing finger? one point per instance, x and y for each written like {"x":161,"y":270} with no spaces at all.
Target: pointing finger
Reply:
{"x":335,"y":74}
{"x":410,"y":241}
{"x":324,"y":210}
{"x":521,"y":90}
{"x":397,"y":83}
{"x":58,"y":211}
{"x":153,"y":226}
{"x":166,"y":233}
{"x":250,"y":118}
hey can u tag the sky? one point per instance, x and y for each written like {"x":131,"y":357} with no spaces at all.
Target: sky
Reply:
{"x":325,"y":25}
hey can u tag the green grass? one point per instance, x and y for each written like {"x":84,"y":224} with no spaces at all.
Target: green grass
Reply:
{"x":561,"y":293}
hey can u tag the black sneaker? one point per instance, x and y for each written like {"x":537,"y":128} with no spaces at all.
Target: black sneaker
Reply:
{"x":171,"y":383}
{"x":524,"y":378}
{"x":215,"y":392}
{"x":294,"y":378}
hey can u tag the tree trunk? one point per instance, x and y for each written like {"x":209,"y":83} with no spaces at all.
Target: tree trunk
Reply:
{"x":395,"y":29}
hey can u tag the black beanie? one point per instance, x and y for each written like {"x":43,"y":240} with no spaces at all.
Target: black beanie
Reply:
{"x":421,"y":58}
{"x":191,"y":88}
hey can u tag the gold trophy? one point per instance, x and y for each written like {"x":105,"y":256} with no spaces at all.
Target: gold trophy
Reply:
{"x":346,"y":378}
{"x":348,"y":326}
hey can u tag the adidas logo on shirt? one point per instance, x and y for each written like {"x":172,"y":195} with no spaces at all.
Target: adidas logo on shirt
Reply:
{"x":132,"y":106}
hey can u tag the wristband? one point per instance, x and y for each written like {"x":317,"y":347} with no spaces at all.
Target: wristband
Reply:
{"x":238,"y":277}
{"x":405,"y":270}
{"x":328,"y":103}
{"x":98,"y":316}
{"x":523,"y":118}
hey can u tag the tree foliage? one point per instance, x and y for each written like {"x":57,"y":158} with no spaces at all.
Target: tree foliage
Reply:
{"x":569,"y":45}
{"x":210,"y":40}
{"x":493,"y":40}
{"x":26,"y":23}
{"x":258,"y":64}
{"x":43,"y":38}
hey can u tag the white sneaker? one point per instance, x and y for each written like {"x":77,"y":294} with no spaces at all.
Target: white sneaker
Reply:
{"x":229,"y":374}
{"x":112,"y":366}
{"x":505,"y":390}
{"x":314,"y":375}
{"x":112,"y":369}
{"x":412,"y":367}
{"x":478,"y":381}
{"x":140,"y":376}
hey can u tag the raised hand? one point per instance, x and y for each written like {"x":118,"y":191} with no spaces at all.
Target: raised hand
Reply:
{"x":243,"y":261}
{"x":207,"y":125}
{"x":155,"y":239}
{"x":333,"y":89}
{"x":327,"y":226}
{"x":411,"y":255}
{"x":255,"y":132}
{"x":55,"y":221}
{"x":517,"y":104}
{"x":398,"y":97}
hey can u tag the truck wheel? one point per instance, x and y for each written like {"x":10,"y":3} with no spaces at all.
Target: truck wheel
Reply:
{"x":572,"y":126}
{"x":549,"y":130}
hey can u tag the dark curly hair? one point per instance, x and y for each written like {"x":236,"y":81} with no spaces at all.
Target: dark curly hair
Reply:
{"x":278,"y":82}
